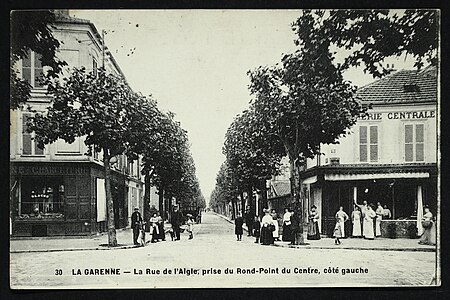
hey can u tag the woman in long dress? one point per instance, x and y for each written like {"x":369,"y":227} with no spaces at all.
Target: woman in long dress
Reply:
{"x":379,"y":212}
{"x":154,"y":229}
{"x":313,"y":224}
{"x":341,"y":217}
{"x":266,"y":228}
{"x":429,"y":234}
{"x":356,"y":221}
{"x":368,"y":232}
{"x":276,"y":232}
{"x":286,"y":237}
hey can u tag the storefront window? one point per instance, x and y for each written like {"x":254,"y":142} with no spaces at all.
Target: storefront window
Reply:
{"x":41,"y":198}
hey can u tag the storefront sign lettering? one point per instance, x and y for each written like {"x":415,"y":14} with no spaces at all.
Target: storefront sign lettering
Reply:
{"x":401,"y":115}
{"x":48,"y":170}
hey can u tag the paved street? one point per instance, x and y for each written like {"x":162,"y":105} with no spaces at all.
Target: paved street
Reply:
{"x":214,"y":249}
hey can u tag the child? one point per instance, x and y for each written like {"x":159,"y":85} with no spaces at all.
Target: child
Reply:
{"x":337,"y":233}
{"x":190,"y":223}
{"x":256,"y":229}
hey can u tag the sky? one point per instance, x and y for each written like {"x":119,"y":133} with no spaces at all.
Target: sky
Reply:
{"x":195,"y":64}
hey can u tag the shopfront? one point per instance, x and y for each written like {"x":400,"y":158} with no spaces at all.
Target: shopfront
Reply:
{"x":402,"y":189}
{"x":51,"y":199}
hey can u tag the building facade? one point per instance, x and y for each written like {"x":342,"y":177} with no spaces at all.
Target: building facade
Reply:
{"x":389,"y":156}
{"x":59,"y":190}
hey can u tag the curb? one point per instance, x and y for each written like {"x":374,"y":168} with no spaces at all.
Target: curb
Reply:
{"x":77,"y":249}
{"x":358,"y":248}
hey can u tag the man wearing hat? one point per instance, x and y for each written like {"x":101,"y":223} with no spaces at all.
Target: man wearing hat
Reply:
{"x":176,"y":221}
{"x":136,"y":220}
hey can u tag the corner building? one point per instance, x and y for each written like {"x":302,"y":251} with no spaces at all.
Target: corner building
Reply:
{"x":389,"y":156}
{"x":59,"y":190}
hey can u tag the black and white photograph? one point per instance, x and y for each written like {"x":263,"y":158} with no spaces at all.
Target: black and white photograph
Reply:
{"x":224,"y":148}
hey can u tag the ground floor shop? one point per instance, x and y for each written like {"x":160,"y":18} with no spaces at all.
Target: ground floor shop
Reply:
{"x":404,"y":190}
{"x":52,"y":199}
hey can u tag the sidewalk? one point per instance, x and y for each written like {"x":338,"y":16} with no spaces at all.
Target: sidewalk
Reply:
{"x":48,"y":244}
{"x":379,"y":244}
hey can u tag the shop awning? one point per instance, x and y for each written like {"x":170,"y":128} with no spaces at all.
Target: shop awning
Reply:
{"x":341,"y":177}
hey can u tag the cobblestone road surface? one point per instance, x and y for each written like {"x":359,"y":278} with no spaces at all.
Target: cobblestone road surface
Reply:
{"x":213,"y":249}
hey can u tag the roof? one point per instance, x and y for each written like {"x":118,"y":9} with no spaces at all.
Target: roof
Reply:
{"x":405,"y":86}
{"x":281,"y":187}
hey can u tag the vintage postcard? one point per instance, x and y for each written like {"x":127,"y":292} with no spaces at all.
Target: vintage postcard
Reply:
{"x":224,"y":148}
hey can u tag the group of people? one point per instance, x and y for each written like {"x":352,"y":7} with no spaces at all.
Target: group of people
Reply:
{"x":156,"y":228}
{"x":365,"y":219}
{"x":267,"y":231}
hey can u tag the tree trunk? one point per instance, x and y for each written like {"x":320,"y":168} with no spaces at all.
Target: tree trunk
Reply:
{"x":161,"y":200}
{"x":264,"y":194}
{"x":233,"y":210}
{"x":147,"y":197}
{"x":112,"y":239}
{"x":295,"y":188}
{"x":242,"y":203}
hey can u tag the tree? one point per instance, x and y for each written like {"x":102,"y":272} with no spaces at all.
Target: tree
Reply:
{"x":31,"y":30}
{"x":372,"y":35}
{"x":100,"y":108}
{"x":252,"y":153}
{"x":305,"y":101}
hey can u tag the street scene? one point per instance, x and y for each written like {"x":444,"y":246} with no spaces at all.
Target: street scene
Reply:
{"x":224,"y":148}
{"x":214,"y":247}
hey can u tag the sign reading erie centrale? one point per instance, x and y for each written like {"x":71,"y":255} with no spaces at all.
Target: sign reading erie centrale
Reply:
{"x":399,"y":115}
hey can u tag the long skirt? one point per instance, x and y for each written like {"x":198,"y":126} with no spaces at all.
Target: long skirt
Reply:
{"x":276,"y":232}
{"x":287,"y":235}
{"x":356,"y":232}
{"x":238,"y":230}
{"x":429,"y":235}
{"x":313,"y":231}
{"x":266,"y":236}
{"x":368,"y":229}
{"x":378,"y":226}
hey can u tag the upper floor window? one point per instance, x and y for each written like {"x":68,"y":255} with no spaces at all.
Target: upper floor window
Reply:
{"x":414,"y":142}
{"x":32,"y":70}
{"x":29,"y":145}
{"x":368,"y":143}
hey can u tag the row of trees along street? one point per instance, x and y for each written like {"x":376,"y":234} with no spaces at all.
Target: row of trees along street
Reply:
{"x":112,"y":118}
{"x":304,"y":101}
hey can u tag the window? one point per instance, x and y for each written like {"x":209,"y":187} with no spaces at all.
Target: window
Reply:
{"x":368,"y":143}
{"x":32,"y":70}
{"x":414,"y":142}
{"x":42,"y":197}
{"x":29,"y":145}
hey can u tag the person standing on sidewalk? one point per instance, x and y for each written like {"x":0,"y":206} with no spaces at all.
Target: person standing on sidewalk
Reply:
{"x":341,"y":218}
{"x":256,"y":229}
{"x":154,"y":230}
{"x":136,"y":221}
{"x":176,"y":220}
{"x":368,"y":232}
{"x":276,"y":232}
{"x":248,"y":216}
{"x":364,"y":208}
{"x":296,"y":228}
{"x":429,"y":234}
{"x":160,"y":224}
{"x":313,"y":224}
{"x":190,"y":223}
{"x":356,"y":221}
{"x":267,"y":228}
{"x":379,"y":213}
{"x":286,"y":236}
{"x":238,"y":231}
